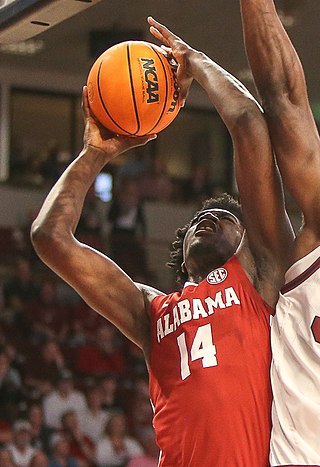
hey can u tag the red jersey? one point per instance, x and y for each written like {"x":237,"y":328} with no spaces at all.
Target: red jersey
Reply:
{"x":209,"y":372}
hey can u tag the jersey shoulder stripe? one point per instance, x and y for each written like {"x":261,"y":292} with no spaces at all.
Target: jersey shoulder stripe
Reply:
{"x":301,"y":277}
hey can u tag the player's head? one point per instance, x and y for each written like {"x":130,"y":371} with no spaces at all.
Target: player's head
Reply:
{"x":209,"y":239}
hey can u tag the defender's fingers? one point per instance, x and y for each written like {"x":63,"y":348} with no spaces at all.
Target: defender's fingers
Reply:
{"x":169,"y":55}
{"x":158,"y":34}
{"x":163,"y":30}
{"x":167,"y":49}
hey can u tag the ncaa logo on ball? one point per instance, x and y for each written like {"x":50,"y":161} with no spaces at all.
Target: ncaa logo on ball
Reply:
{"x":217,"y":276}
{"x":151,"y":80}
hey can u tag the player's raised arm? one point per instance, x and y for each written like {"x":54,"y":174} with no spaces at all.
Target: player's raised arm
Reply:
{"x":280,"y":80}
{"x":101,"y":283}
{"x":267,"y":224}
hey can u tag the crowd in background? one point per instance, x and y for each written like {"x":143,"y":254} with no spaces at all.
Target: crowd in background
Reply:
{"x":73,"y":390}
{"x":141,"y":165}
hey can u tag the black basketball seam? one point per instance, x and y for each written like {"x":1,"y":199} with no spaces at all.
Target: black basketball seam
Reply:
{"x":167,"y":89}
{"x":102,"y":101}
{"x":132,"y":90}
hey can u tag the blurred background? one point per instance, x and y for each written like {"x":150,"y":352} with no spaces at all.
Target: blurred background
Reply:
{"x":131,"y":211}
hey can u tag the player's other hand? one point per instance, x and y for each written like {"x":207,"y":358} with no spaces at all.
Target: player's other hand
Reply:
{"x":97,"y":137}
{"x":180,"y":50}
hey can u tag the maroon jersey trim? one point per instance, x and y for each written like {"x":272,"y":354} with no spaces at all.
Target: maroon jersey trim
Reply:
{"x":301,"y":278}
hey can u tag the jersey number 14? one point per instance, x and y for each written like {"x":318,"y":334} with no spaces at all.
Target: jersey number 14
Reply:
{"x":202,"y":348}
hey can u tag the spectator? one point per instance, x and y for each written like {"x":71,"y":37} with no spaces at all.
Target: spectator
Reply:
{"x":44,"y":367}
{"x":151,"y":451}
{"x":90,"y":223}
{"x":40,"y":460}
{"x":20,"y":453}
{"x":40,"y":433}
{"x":84,"y":324}
{"x":140,"y":409}
{"x":17,"y":292}
{"x":116,"y":448}
{"x":156,"y":184}
{"x":5,"y":433}
{"x":102,"y":355}
{"x":76,"y":338}
{"x":135,"y":361}
{"x":110,"y":393}
{"x":10,"y":388}
{"x":64,"y":397}
{"x":17,"y":359}
{"x":61,"y":456}
{"x":90,"y":220}
{"x":200,"y":187}
{"x":54,"y":162}
{"x":48,"y":317}
{"x":134,"y":166}
{"x":95,"y":417}
{"x":5,"y":459}
{"x":21,"y":286}
{"x":128,"y":229}
{"x":81,"y":445}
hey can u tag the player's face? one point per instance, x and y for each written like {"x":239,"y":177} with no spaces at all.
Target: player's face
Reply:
{"x":212,"y":238}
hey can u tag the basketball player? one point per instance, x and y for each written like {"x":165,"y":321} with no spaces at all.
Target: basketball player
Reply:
{"x":296,"y":327}
{"x":207,"y":347}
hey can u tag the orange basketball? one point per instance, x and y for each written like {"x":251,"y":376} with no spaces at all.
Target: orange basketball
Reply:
{"x":132,"y":89}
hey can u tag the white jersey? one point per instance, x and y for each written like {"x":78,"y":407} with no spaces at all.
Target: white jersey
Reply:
{"x":295,"y":370}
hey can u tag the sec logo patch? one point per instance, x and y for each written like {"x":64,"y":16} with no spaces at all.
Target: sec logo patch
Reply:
{"x":217,"y":276}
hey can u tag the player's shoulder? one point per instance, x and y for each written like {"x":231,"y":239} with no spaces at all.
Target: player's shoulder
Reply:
{"x":148,"y":291}
{"x":307,"y":244}
{"x":304,"y":270}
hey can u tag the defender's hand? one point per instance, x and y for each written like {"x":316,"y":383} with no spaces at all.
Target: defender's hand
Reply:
{"x":180,"y":50}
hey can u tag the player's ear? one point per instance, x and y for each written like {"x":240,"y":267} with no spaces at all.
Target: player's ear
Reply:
{"x":183,"y":267}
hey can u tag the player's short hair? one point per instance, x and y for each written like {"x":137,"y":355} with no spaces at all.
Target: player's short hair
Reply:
{"x":224,"y":201}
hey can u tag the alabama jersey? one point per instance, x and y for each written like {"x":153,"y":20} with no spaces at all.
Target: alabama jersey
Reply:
{"x":295,"y":371}
{"x":210,"y":372}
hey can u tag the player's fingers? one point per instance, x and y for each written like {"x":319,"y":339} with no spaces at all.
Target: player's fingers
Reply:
{"x":157,"y":34}
{"x":131,"y":142}
{"x":167,"y":50}
{"x":184,"y":87}
{"x":169,"y":55}
{"x":141,"y":140}
{"x":163,"y":30}
{"x":87,"y":113}
{"x":85,"y":103}
{"x":85,"y":106}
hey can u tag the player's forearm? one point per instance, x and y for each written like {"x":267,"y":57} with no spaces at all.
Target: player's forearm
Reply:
{"x":273,"y":60}
{"x":62,"y":208}
{"x":230,"y":97}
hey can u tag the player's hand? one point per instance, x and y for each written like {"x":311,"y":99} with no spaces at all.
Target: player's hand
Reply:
{"x":180,"y":51}
{"x":98,"y":137}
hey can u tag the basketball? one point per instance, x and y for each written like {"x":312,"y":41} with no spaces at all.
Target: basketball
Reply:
{"x":132,"y":89}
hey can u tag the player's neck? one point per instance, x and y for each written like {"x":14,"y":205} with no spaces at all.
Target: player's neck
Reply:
{"x":198,"y":275}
